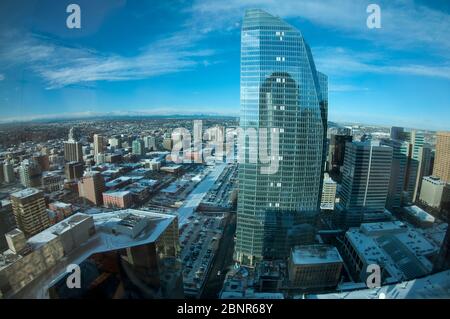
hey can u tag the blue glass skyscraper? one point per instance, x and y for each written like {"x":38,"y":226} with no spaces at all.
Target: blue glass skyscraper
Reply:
{"x":280,"y":90}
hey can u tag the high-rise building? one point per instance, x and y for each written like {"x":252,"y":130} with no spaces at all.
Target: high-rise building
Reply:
{"x":115,"y":142}
{"x":74,"y":170}
{"x":7,"y":222}
{"x":423,"y":169}
{"x":431,"y":191}
{"x":280,"y":91}
{"x":91,"y":187}
{"x":138,"y":147}
{"x":8,"y":172}
{"x":150,"y":143}
{"x":52,"y":181}
{"x":397,"y":133}
{"x":328,"y":194}
{"x":73,"y":151}
{"x":42,"y":160}
{"x":30,"y":173}
{"x":442,"y":157}
{"x":99,"y":144}
{"x":337,"y":151}
{"x":2,"y":176}
{"x":416,"y":141}
{"x":400,"y":154}
{"x":167,"y":143}
{"x":30,"y":211}
{"x":365,"y":181}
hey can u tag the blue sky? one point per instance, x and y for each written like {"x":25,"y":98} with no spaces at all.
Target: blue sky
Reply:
{"x":180,"y":56}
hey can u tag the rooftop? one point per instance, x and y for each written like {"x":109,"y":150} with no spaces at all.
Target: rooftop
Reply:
{"x":108,"y":236}
{"x":420,"y":214}
{"x":435,"y":286}
{"x":315,"y":254}
{"x":117,"y":194}
{"x":402,"y":250}
{"x":25,"y":193}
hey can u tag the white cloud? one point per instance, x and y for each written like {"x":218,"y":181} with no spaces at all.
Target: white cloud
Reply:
{"x":405,"y":24}
{"x":60,"y":65}
{"x":340,"y":62}
{"x":346,"y":88}
{"x":2,"y":77}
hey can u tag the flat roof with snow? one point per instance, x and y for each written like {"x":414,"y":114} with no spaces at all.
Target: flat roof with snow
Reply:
{"x":25,"y":193}
{"x":315,"y":254}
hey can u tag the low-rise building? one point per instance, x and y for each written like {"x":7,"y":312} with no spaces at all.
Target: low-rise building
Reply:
{"x":401,"y":252}
{"x":431,"y":191}
{"x":418,"y":216}
{"x":136,"y":247}
{"x":117,"y":199}
{"x":315,"y":267}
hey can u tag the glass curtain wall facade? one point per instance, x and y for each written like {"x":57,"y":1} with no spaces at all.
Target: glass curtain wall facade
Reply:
{"x":281,"y":91}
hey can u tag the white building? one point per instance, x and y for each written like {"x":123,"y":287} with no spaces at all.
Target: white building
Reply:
{"x":328,"y":193}
{"x":431,"y":191}
{"x":402,"y":252}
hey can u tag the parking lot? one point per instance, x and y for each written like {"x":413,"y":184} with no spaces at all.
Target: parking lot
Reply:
{"x":199,"y":242}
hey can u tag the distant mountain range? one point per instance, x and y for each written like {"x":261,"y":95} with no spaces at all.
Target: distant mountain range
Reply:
{"x":113,"y":115}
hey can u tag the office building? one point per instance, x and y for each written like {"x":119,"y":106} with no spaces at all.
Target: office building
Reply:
{"x":74,"y":170}
{"x":30,"y":173}
{"x":42,"y":161}
{"x":314,"y":267}
{"x":117,"y":199}
{"x":7,"y":222}
{"x":30,"y":211}
{"x":442,"y":158}
{"x":400,"y":154}
{"x":402,"y":252}
{"x":8,"y":172}
{"x":167,"y":143}
{"x":397,"y":133}
{"x":328,"y":193}
{"x":124,"y":254}
{"x":138,"y":147}
{"x":424,"y":169}
{"x":73,"y":151}
{"x":365,"y":182}
{"x":416,"y":142}
{"x":271,"y":52}
{"x":432,"y":191}
{"x":115,"y":142}
{"x":150,"y":143}
{"x":91,"y":186}
{"x":337,"y":151}
{"x":99,"y":144}
{"x":52,"y":181}
{"x":418,"y":217}
{"x":2,"y":176}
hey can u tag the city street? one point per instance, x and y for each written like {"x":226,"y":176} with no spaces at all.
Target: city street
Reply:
{"x":222,"y":261}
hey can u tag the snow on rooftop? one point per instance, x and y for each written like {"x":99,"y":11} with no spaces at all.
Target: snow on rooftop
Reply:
{"x":104,"y":239}
{"x":374,"y":244}
{"x":117,"y":193}
{"x":435,"y":286}
{"x":373,"y":228}
{"x":420,"y":214}
{"x":314,"y":254}
{"x":25,"y":193}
